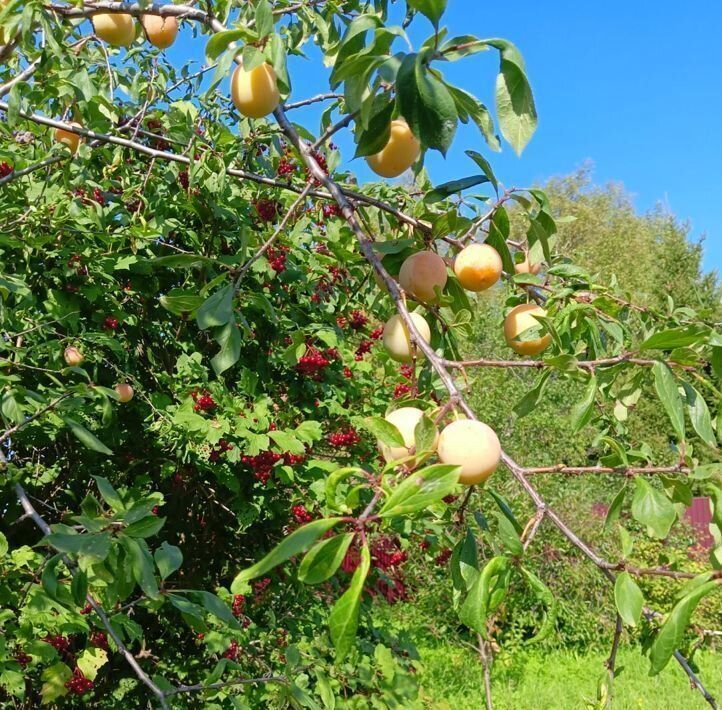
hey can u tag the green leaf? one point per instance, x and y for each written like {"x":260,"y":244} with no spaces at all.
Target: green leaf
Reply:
{"x":96,"y":546}
{"x":666,"y":387}
{"x":145,"y":527}
{"x":180,"y":304}
{"x":514,"y":100}
{"x":55,"y":677}
{"x":653,"y":509}
{"x":217,"y":309}
{"x":109,"y":494}
{"x":629,"y":599}
{"x":544,"y":594}
{"x":298,"y":541}
{"x":220,"y":41}
{"x":529,"y":401}
{"x":141,"y":566}
{"x":671,"y":634}
{"x":421,"y":489}
{"x":469,"y":106}
{"x":216,"y":606}
{"x":499,"y":228}
{"x":49,"y":578}
{"x":426,"y":104}
{"x":425,"y":434}
{"x":343,"y":619}
{"x":229,"y":338}
{"x":485,"y":166}
{"x":675,"y":338}
{"x":699,"y":415}
{"x":582,"y":411}
{"x":87,"y":438}
{"x":91,"y":660}
{"x":264,"y":18}
{"x":168,"y":559}
{"x":374,"y":137}
{"x":287,"y":442}
{"x":384,"y":431}
{"x":446,"y":189}
{"x":477,"y":605}
{"x":79,"y":587}
{"x":324,"y":558}
{"x":506,"y":510}
{"x":509,"y":535}
{"x":465,"y":562}
{"x":3,"y":545}
{"x":433,"y":9}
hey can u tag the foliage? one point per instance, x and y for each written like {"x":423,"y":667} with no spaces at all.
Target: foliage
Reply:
{"x":228,"y":525}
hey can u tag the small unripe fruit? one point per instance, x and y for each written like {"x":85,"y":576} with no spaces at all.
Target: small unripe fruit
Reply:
{"x":114,"y":28}
{"x":520,"y":319}
{"x":68,"y":138}
{"x":160,"y":31}
{"x":399,"y":154}
{"x":478,"y":267}
{"x":525,"y":267}
{"x":396,"y":336}
{"x":421,"y":273}
{"x":124,"y":392}
{"x":73,"y":356}
{"x":255,"y":93}
{"x":472,"y":445}
{"x":405,"y":420}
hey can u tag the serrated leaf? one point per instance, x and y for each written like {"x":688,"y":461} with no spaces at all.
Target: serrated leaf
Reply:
{"x":55,"y":677}
{"x":91,"y":660}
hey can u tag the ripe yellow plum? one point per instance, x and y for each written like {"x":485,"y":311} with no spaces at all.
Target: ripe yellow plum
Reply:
{"x":124,"y":392}
{"x":472,"y":445}
{"x":478,"y":267}
{"x":523,"y":318}
{"x":526,"y":267}
{"x":72,"y":356}
{"x":160,"y":31}
{"x":396,"y":336}
{"x":255,"y":93}
{"x":114,"y":28}
{"x":405,"y":420}
{"x":421,"y":273}
{"x":399,"y":154}
{"x":68,"y":138}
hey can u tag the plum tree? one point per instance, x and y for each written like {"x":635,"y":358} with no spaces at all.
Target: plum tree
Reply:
{"x":397,"y":340}
{"x":405,"y":419}
{"x":160,"y":31}
{"x":255,"y":92}
{"x":478,"y":267}
{"x":222,"y":266}
{"x":472,"y":445}
{"x":116,"y":29}
{"x":399,"y":154}
{"x":523,"y":318}
{"x":422,"y":274}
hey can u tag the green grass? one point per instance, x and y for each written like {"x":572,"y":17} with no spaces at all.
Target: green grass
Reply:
{"x":451,"y":678}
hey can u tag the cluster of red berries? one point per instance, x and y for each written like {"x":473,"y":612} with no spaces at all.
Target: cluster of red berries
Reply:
{"x":86,"y":609}
{"x":267,"y":210}
{"x":363,"y":347}
{"x":110,"y":323}
{"x":79,"y":684}
{"x":99,"y":640}
{"x":262,"y":464}
{"x":347,"y":373}
{"x":407,"y":371}
{"x":386,"y":553}
{"x":424,"y":545}
{"x":358,"y":319}
{"x":184,"y":179}
{"x":260,"y":589}
{"x":285,"y":167}
{"x":331,"y":209}
{"x":343,"y":437}
{"x":233,"y":651}
{"x":292,"y":459}
{"x":60,"y":643}
{"x":377,"y":333}
{"x":312,"y":362}
{"x":322,"y":249}
{"x":324,"y":286}
{"x":223,"y":446}
{"x":443,"y":557}
{"x":98,"y":196}
{"x":22,"y":658}
{"x":301,"y":515}
{"x":401,"y":390}
{"x":277,"y":259}
{"x":76,"y":263}
{"x":239,"y":604}
{"x":5,"y":169}
{"x":204,"y":401}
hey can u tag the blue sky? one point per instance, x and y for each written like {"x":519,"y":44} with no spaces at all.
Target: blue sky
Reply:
{"x":635,"y":87}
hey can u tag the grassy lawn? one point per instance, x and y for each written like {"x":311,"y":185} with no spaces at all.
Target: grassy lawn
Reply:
{"x":452,"y":679}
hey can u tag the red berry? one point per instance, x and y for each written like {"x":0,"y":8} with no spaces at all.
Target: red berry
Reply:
{"x":5,"y":169}
{"x":266,"y":210}
{"x":99,"y":640}
{"x":79,"y":684}
{"x":110,"y":323}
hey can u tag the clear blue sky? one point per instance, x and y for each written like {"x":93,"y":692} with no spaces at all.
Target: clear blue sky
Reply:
{"x":635,"y":87}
